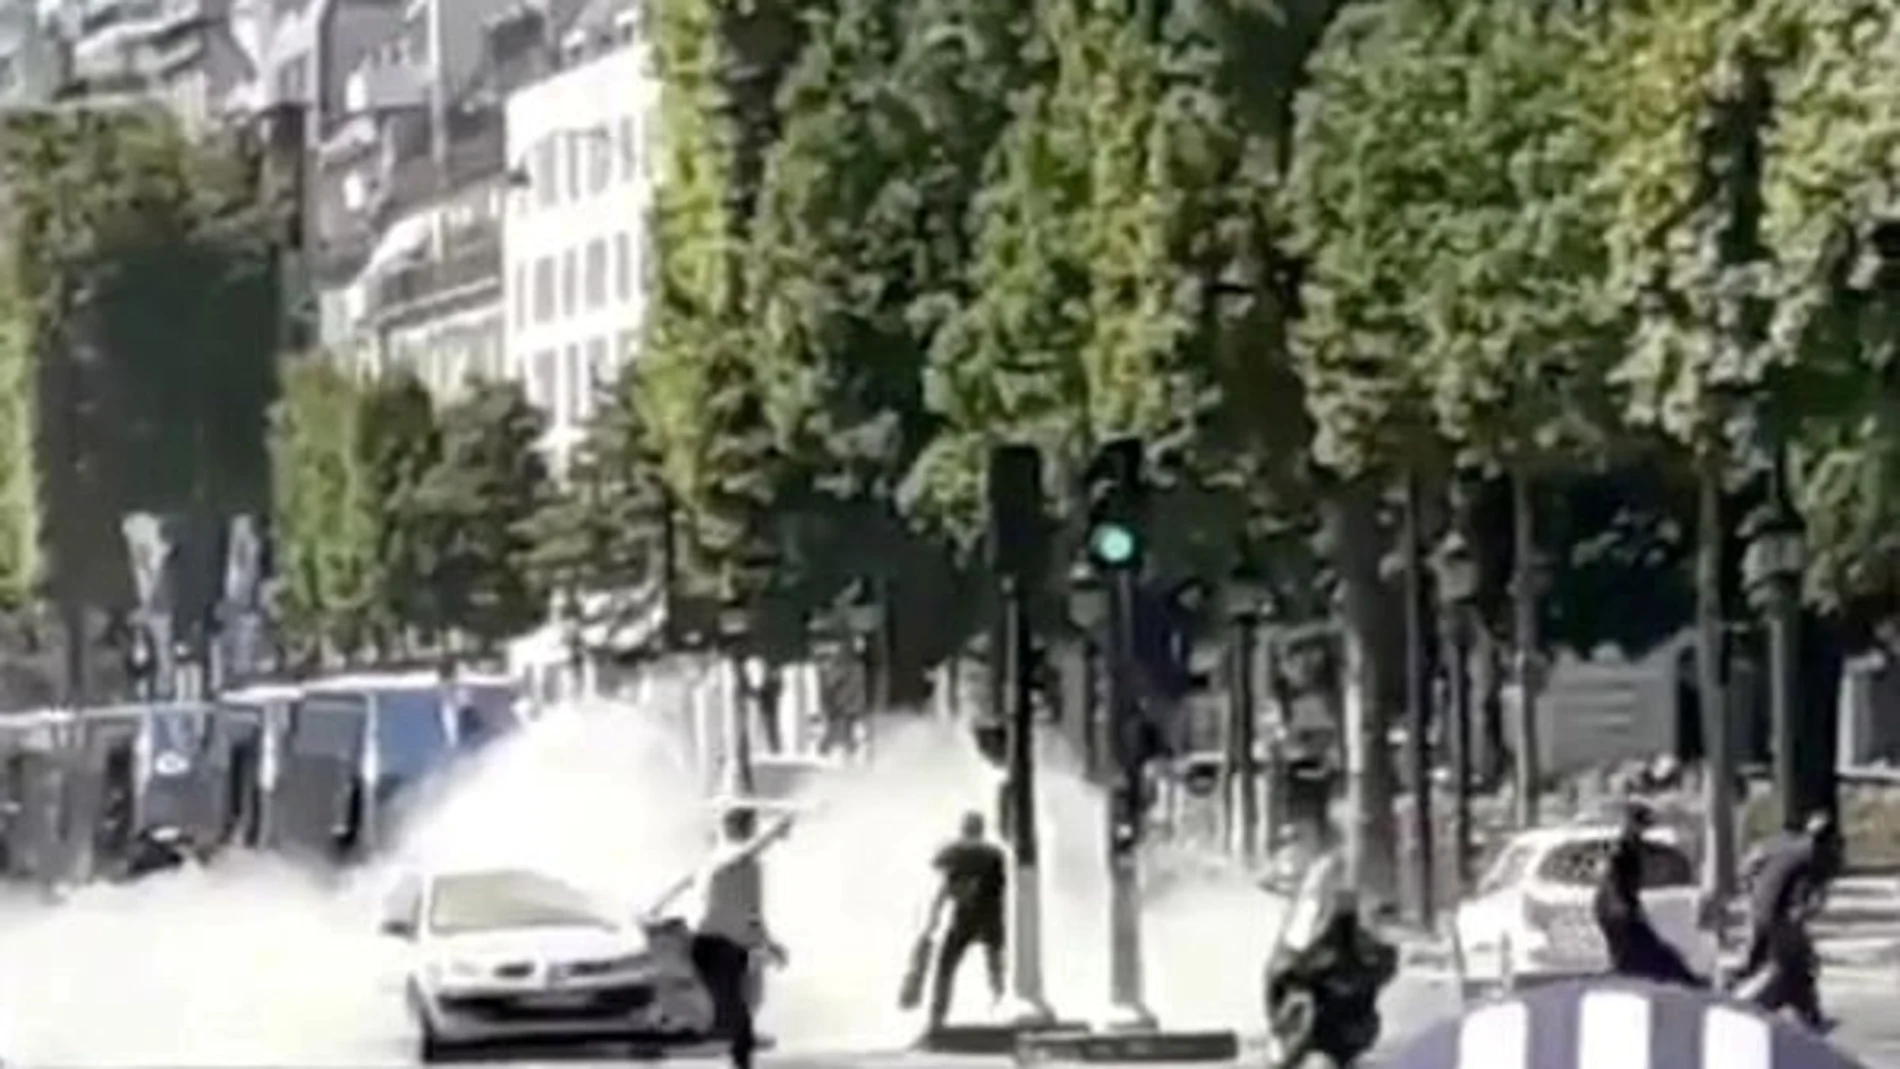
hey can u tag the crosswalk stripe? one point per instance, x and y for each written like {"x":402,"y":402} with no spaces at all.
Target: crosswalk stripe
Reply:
{"x":1496,"y":1037}
{"x":1732,"y":1039}
{"x":1613,"y":1030}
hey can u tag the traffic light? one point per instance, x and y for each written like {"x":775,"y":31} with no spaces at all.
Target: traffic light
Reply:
{"x":992,"y":740}
{"x":1018,"y":535}
{"x":1115,"y":499}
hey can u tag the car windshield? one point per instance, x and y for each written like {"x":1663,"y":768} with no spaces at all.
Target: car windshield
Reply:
{"x":498,"y":901}
{"x":1580,"y":864}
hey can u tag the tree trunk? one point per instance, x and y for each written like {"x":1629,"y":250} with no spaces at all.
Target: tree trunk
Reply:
{"x":1353,"y":521}
{"x":1528,"y":648}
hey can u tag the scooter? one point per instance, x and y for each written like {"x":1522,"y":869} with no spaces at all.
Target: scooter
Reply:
{"x":1323,"y":977}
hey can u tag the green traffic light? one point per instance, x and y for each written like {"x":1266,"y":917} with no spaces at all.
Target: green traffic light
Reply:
{"x":1112,"y":544}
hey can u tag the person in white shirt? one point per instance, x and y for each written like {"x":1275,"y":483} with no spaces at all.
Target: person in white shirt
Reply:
{"x":729,"y":923}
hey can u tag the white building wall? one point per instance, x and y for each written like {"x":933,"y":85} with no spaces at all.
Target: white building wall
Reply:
{"x":576,"y":234}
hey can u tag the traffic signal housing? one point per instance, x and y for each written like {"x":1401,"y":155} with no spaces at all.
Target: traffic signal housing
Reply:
{"x":1116,"y":503}
{"x":1018,"y":525}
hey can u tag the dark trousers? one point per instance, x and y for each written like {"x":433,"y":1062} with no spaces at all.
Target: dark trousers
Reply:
{"x":725,"y":967}
{"x":963,"y":933}
{"x":1784,"y":947}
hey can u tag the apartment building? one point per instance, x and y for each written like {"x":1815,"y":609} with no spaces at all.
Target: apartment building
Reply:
{"x":575,"y":224}
{"x":30,"y":61}
{"x":188,"y":55}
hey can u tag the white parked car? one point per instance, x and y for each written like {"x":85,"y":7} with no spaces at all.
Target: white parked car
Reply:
{"x":1530,"y":919}
{"x":504,"y":955}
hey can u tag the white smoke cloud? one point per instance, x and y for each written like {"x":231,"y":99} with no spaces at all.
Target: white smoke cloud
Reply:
{"x":252,"y":963}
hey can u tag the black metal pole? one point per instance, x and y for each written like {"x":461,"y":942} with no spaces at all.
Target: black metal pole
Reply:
{"x":1245,"y":785}
{"x":1417,"y":703}
{"x":1021,"y":709}
{"x":1458,"y":672}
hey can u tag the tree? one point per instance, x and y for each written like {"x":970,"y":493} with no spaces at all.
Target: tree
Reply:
{"x":1006,"y":365}
{"x":601,"y":528}
{"x":1837,"y":126}
{"x":398,"y":444}
{"x":479,"y":502}
{"x":863,"y":241}
{"x":322,"y":519}
{"x":143,"y":265}
{"x":19,"y":504}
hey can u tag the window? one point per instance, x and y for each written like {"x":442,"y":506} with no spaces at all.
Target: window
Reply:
{"x":1580,"y":864}
{"x":596,"y":377}
{"x":570,"y":282}
{"x":596,"y":273}
{"x":573,"y":167}
{"x":541,"y":379}
{"x":623,"y":266}
{"x":544,"y":289}
{"x":329,"y":725}
{"x":629,"y":141}
{"x":569,"y":413}
{"x":600,"y":160}
{"x":546,"y":177}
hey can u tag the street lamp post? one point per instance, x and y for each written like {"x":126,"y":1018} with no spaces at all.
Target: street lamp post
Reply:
{"x":734,"y":626}
{"x":1774,"y":565}
{"x":1458,"y":589}
{"x":1248,"y":607}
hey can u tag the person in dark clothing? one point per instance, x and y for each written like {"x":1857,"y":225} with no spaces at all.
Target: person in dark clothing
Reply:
{"x":1788,"y":881}
{"x":1636,"y":950}
{"x":974,"y":873}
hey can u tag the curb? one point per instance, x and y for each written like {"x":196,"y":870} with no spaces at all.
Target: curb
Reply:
{"x":1130,"y":1047}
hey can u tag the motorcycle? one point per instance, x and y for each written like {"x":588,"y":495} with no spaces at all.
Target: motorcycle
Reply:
{"x":1323,"y":976}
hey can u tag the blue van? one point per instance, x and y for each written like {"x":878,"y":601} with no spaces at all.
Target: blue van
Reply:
{"x":357,"y":747}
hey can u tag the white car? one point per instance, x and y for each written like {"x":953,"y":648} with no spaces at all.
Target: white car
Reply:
{"x":1531,"y":919}
{"x":505,"y":955}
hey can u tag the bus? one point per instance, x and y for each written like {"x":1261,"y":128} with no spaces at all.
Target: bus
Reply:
{"x":359,"y":746}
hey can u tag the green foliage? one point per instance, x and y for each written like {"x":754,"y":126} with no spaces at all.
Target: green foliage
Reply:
{"x":398,"y":444}
{"x":1007,"y":365}
{"x":600,"y":529}
{"x":323,"y":516}
{"x":480,"y":501}
{"x":1458,"y":272}
{"x":1835,"y":137}
{"x":19,"y":504}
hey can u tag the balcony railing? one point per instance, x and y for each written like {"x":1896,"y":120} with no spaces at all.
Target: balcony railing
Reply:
{"x":477,"y":262}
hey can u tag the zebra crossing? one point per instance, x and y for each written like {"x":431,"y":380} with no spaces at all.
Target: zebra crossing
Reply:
{"x":1628,"y":1026}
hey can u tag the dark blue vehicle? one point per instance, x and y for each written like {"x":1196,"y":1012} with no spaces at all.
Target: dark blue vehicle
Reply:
{"x":358,"y":748}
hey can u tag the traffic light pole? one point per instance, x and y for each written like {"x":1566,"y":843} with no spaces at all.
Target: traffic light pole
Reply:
{"x":1128,"y":1011}
{"x":1025,"y":928}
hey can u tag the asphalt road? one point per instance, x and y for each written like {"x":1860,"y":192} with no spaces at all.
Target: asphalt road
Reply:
{"x":1864,"y":1002}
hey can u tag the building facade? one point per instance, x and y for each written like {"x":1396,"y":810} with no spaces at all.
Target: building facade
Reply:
{"x":189,"y":55}
{"x":30,"y":62}
{"x":575,"y":226}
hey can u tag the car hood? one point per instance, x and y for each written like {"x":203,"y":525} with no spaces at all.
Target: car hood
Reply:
{"x":539,"y":944}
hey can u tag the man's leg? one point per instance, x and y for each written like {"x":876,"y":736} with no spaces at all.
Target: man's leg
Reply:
{"x":993,"y":960}
{"x":1759,"y":936}
{"x":722,"y":966}
{"x":956,"y":940}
